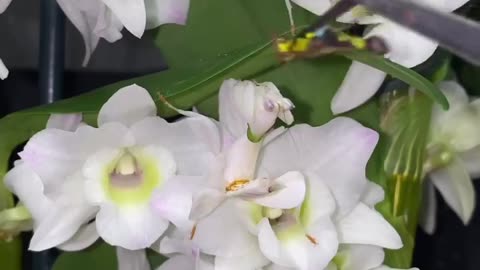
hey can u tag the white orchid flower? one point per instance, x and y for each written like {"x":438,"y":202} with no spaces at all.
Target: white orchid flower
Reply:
{"x":314,"y":205}
{"x":453,"y":155}
{"x":406,"y":48}
{"x":110,"y":174}
{"x":105,"y":19}
{"x":3,"y":69}
{"x":254,"y":105}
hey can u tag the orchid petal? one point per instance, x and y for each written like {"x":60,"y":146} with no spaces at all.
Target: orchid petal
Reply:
{"x":131,"y":228}
{"x":210,"y":234}
{"x":83,"y":14}
{"x":178,"y":262}
{"x":50,"y":232}
{"x":317,"y":7}
{"x":336,"y":153}
{"x":132,"y":259}
{"x":108,"y":26}
{"x":253,"y":260}
{"x":166,"y":11}
{"x":406,"y":47}
{"x":384,"y":267}
{"x":29,"y":188}
{"x":456,"y":188}
{"x":373,"y":194}
{"x":128,"y":105}
{"x":471,"y":161}
{"x":205,"y":201}
{"x":131,"y":13}
{"x":287,"y":191}
{"x":194,"y":141}
{"x":364,"y":225}
{"x":298,"y":248}
{"x":451,"y":5}
{"x":428,"y":214}
{"x":361,"y":257}
{"x":68,"y":122}
{"x":3,"y":70}
{"x":360,"y":83}
{"x":319,"y":201}
{"x":4,"y":5}
{"x":241,"y":160}
{"x":85,"y":237}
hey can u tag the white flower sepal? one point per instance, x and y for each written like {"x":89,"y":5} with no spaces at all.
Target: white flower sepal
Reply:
{"x":453,"y":155}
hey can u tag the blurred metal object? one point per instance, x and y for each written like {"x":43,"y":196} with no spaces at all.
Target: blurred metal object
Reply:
{"x":52,"y":50}
{"x":51,"y":65}
{"x":453,"y":32}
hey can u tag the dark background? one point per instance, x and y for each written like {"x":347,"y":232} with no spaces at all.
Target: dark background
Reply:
{"x":453,"y":246}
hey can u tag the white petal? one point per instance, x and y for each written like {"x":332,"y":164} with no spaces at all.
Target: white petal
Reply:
{"x":132,"y":259}
{"x":335,"y":153}
{"x":451,"y":5}
{"x":253,"y":260}
{"x":4,"y":5}
{"x":428,"y":214}
{"x":241,"y":160}
{"x":128,"y":105}
{"x":360,"y":83}
{"x":28,"y":187}
{"x":194,"y":141}
{"x":373,"y":194}
{"x":287,"y":191}
{"x":471,"y":161}
{"x":406,"y":47}
{"x":205,"y":201}
{"x":236,"y":105}
{"x":384,"y":267}
{"x":361,"y":257}
{"x":85,"y":237}
{"x":68,"y":122}
{"x":59,"y":225}
{"x":108,"y":26}
{"x":131,"y":13}
{"x":174,"y":200}
{"x":3,"y":70}
{"x":456,"y":188}
{"x":183,"y":262}
{"x":366,"y":226}
{"x":317,"y":7}
{"x":166,"y":11}
{"x":319,"y":202}
{"x":309,"y":250}
{"x":130,"y":228}
{"x":211,"y":232}
{"x":83,"y":15}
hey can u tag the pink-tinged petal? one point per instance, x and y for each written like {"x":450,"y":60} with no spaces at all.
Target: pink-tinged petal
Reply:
{"x":360,"y":84}
{"x":335,"y":153}
{"x":50,"y":232}
{"x":68,"y":122}
{"x":364,"y":225}
{"x":285,"y":192}
{"x":132,"y":259}
{"x":128,"y":105}
{"x":85,"y":237}
{"x":130,"y":227}
{"x":406,"y":47}
{"x":131,"y":13}
{"x":3,"y":70}
{"x":428,"y":213}
{"x":456,"y":188}
{"x":166,"y":11}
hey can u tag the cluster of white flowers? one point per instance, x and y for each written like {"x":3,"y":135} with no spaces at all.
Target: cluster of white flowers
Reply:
{"x":230,"y":194}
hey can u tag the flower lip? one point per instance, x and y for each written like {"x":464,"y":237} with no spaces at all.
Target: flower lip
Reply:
{"x":127,"y":173}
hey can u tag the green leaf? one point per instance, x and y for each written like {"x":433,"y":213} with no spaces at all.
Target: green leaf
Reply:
{"x":400,"y":72}
{"x":11,"y":254}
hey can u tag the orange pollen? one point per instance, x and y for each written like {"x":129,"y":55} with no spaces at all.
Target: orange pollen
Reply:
{"x":192,"y":233}
{"x":236,"y":185}
{"x":311,"y":239}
